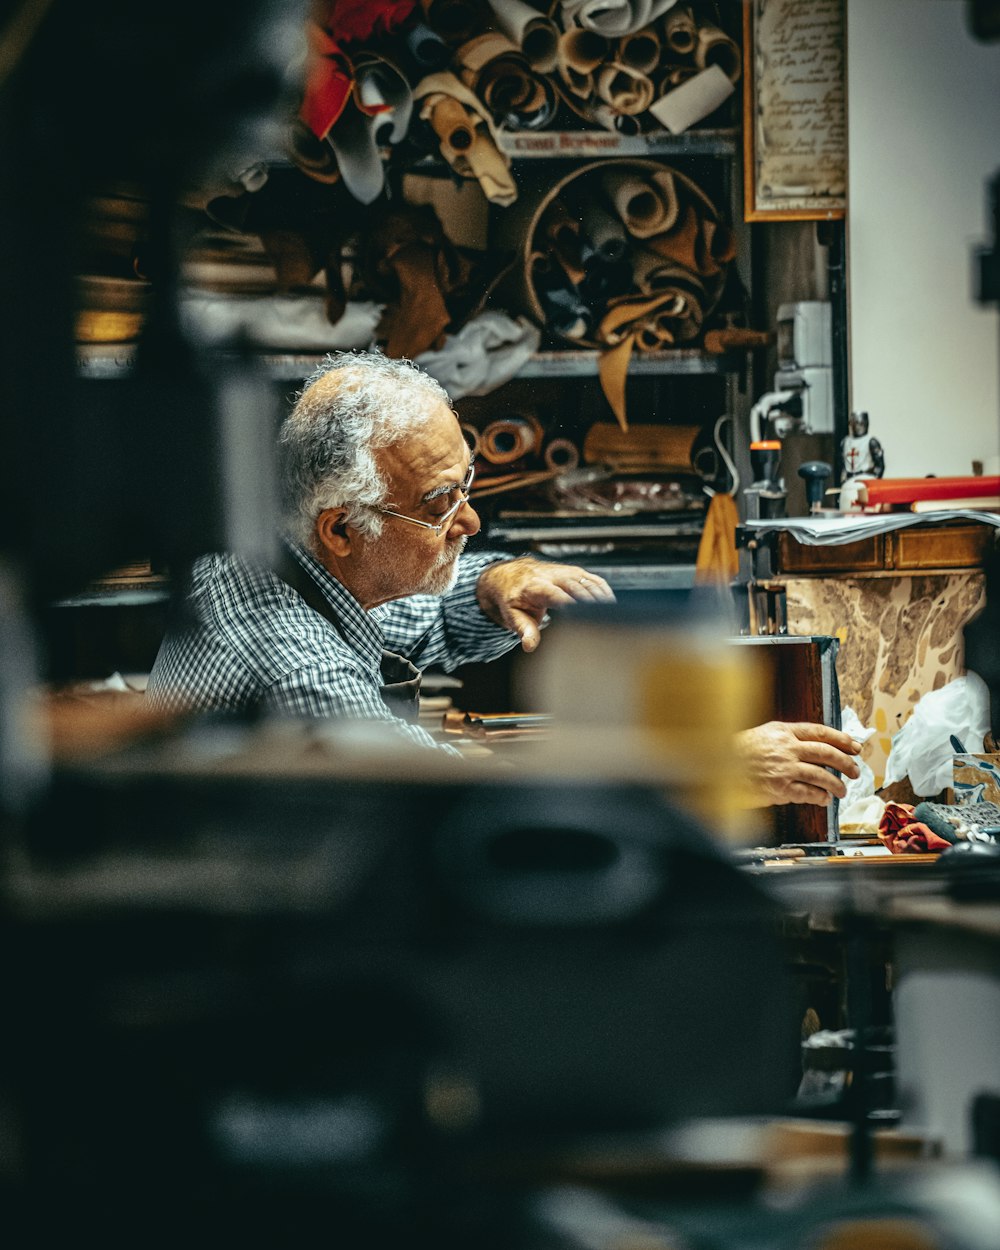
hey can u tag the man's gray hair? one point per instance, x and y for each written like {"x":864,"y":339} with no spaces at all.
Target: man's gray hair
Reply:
{"x":353,"y":405}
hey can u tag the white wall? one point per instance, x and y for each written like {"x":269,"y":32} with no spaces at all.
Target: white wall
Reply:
{"x":923,"y":141}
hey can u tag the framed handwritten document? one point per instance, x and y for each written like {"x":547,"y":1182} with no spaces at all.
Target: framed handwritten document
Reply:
{"x":794,"y":131}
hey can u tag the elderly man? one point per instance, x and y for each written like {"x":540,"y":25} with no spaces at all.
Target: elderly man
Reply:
{"x":376,"y":477}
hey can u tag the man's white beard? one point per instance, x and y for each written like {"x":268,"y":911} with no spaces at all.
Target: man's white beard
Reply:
{"x":438,"y":579}
{"x":444,"y":572}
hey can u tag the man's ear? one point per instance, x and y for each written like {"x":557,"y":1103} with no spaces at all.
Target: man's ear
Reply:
{"x":332,"y":532}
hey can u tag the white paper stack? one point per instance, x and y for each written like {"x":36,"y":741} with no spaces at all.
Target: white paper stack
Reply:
{"x":832,"y":531}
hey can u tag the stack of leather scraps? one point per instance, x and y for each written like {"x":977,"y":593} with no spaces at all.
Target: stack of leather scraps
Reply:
{"x":446,"y":76}
{"x":326,"y":272}
{"x":428,"y":285}
{"x":621,"y":255}
{"x":270,"y":267}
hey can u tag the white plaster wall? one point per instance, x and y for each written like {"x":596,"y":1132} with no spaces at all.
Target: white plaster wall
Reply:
{"x":923,"y":141}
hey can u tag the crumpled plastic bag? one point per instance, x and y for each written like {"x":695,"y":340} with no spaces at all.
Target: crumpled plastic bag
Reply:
{"x":487,"y":352}
{"x":922,"y":749}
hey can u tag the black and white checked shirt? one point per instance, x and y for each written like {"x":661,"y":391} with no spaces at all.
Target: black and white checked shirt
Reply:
{"x":252,"y":641}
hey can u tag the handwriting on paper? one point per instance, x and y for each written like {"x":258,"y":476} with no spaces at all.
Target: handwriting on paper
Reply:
{"x":800,"y":150}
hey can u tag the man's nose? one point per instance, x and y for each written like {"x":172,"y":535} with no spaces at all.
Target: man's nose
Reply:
{"x":466,"y":522}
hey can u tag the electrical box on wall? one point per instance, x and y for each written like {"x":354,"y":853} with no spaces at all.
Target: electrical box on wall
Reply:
{"x":804,"y":337}
{"x":805,"y":357}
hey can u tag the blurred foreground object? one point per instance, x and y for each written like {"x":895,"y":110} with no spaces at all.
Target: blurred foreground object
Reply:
{"x":295,"y":994}
{"x":655,"y":680}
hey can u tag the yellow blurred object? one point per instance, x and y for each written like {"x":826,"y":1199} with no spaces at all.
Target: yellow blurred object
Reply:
{"x":876,"y":1234}
{"x":717,"y":560}
{"x":107,"y":327}
{"x":659,"y":699}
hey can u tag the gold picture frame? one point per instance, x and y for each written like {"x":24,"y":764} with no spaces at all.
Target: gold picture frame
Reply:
{"x":794,"y":110}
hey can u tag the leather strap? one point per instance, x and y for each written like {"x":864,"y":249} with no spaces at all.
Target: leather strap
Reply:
{"x":717,"y":560}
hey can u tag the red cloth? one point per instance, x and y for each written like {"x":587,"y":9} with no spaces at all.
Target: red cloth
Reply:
{"x":905,"y":836}
{"x":350,"y":21}
{"x":328,"y":75}
{"x":329,"y":79}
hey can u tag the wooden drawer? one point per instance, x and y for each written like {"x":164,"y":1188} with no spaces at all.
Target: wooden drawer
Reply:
{"x":942,"y":547}
{"x":868,"y":555}
{"x":903,"y":550}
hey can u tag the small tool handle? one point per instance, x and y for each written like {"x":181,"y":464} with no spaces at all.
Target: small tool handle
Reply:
{"x":735,"y":338}
{"x":815,"y":474}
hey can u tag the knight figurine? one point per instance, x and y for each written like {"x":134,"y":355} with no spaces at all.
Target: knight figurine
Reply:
{"x":862,"y":457}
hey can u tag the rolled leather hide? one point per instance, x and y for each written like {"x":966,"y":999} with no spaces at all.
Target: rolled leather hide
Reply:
{"x":561,"y":455}
{"x":492,"y":67}
{"x":625,"y":90}
{"x":640,"y":52}
{"x":613,"y":18}
{"x":680,"y":31}
{"x":714,"y":47}
{"x":534,"y":33}
{"x":579,"y":53}
{"x":510,"y":439}
{"x":468,"y":144}
{"x":647,"y":204}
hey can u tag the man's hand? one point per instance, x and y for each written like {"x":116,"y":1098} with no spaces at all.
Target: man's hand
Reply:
{"x":518,"y":593}
{"x":787,"y":763}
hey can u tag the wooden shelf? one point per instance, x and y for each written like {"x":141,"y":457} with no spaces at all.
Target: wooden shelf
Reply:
{"x":116,"y":360}
{"x":583,"y":364}
{"x":588,"y":144}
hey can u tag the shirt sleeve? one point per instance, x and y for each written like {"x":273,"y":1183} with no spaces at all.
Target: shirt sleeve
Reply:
{"x":322,"y":691}
{"x":447,"y":630}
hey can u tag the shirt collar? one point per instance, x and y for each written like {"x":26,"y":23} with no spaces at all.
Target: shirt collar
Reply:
{"x":360,"y":632}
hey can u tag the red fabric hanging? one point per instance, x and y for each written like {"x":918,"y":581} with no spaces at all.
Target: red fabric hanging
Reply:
{"x":328,"y":76}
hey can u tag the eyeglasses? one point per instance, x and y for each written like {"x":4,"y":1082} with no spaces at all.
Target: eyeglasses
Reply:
{"x":445,"y":519}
